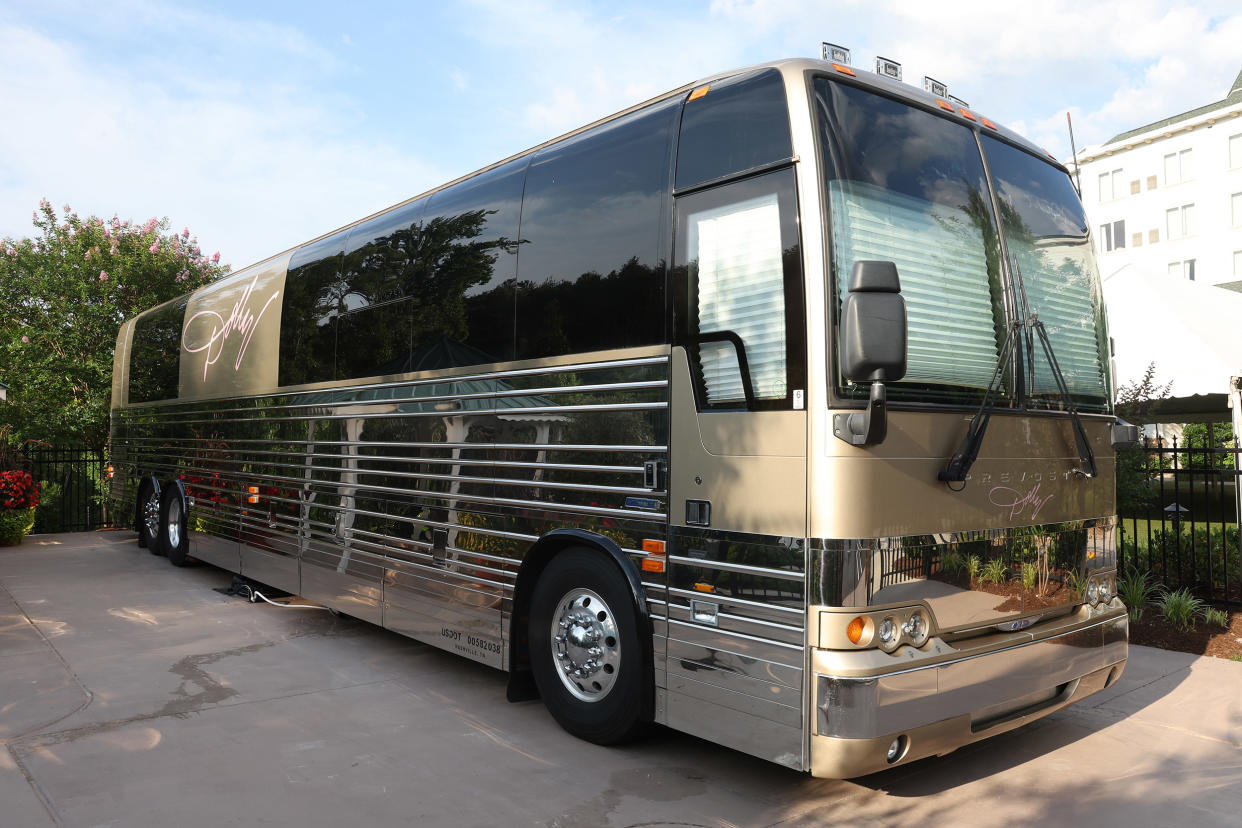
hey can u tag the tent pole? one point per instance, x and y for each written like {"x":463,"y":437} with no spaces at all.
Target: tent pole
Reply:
{"x":1235,"y":405}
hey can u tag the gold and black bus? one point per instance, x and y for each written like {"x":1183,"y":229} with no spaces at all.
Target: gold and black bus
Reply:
{"x":775,"y":409}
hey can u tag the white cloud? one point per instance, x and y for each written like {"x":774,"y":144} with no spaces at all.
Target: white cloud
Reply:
{"x":252,"y":168}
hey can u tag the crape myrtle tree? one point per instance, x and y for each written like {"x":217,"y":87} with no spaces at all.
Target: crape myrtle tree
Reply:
{"x":63,"y":296}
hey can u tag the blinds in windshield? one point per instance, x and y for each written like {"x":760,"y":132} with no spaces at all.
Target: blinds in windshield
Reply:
{"x":944,"y":278}
{"x":1046,"y":232}
{"x":907,"y":186}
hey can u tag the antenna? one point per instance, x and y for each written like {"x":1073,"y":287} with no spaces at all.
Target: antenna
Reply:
{"x":1073,"y":149}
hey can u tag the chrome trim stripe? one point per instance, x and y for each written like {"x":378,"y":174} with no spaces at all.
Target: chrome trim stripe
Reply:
{"x":800,"y":648}
{"x":703,"y":563}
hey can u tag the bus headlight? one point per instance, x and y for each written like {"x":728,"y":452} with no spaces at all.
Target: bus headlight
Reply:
{"x":1093,"y":591}
{"x":888,"y":633}
{"x":915,"y":629}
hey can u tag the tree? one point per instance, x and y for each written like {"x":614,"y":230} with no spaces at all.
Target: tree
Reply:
{"x":63,"y":297}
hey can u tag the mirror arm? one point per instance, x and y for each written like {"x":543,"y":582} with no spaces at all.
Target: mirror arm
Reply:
{"x":868,"y":427}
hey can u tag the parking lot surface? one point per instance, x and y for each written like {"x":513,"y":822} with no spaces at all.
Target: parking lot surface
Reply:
{"x":133,"y":693}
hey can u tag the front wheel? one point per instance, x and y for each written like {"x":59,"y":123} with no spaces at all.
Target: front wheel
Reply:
{"x":584,"y":648}
{"x":174,"y":539}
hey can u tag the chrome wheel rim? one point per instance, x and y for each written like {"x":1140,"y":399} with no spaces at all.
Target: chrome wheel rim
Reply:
{"x":174,"y":523}
{"x":151,"y":515}
{"x":586,"y":645}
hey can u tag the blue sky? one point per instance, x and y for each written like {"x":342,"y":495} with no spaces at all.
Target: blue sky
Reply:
{"x":263,"y":124}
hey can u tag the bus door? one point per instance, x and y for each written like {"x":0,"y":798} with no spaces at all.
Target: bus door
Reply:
{"x":737,"y":472}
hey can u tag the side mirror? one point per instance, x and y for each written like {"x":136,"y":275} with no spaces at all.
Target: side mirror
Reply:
{"x":872,"y":347}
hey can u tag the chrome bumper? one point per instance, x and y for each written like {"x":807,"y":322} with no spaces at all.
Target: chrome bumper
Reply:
{"x":933,"y":701}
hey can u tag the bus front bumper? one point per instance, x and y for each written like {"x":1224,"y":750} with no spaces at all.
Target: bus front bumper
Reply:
{"x":933,"y":701}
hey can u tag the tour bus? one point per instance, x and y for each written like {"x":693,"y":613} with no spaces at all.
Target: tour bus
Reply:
{"x":775,"y":409}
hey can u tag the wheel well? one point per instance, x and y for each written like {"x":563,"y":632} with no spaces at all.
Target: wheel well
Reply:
{"x":521,"y":686}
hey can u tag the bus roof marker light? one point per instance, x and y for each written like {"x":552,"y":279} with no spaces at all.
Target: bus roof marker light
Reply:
{"x":835,"y":54}
{"x":845,"y":70}
{"x":935,"y":87}
{"x":966,"y":113}
{"x":888,"y":68}
{"x":986,"y":122}
{"x":698,"y":93}
{"x":945,"y":105}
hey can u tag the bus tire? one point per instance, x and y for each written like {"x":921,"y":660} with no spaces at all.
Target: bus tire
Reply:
{"x":174,"y":534}
{"x":147,"y":515}
{"x":584,"y":648}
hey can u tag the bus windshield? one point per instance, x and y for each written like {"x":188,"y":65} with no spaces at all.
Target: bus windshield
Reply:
{"x":907,"y":186}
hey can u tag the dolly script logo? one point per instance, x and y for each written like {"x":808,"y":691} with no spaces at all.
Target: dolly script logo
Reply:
{"x":242,"y":321}
{"x":1016,"y":502}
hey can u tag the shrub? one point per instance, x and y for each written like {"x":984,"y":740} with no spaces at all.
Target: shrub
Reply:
{"x":952,"y":562}
{"x":1030,"y":575}
{"x":995,"y":571}
{"x":1179,"y":608}
{"x":18,"y":490}
{"x":1136,"y":590}
{"x":974,"y":566}
{"x":14,"y":524}
{"x":1214,"y":617}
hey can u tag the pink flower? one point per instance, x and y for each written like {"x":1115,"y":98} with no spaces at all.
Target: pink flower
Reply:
{"x":67,"y":208}
{"x":149,"y":226}
{"x":116,"y":223}
{"x":107,"y":233}
{"x":103,"y":275}
{"x":12,"y":252}
{"x":215,"y":257}
{"x":185,"y":231}
{"x":88,"y":255}
{"x":26,"y":340}
{"x":155,"y":246}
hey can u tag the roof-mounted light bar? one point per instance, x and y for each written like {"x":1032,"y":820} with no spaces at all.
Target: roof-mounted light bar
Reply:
{"x":935,"y":87}
{"x":888,"y":68}
{"x":834,"y":53}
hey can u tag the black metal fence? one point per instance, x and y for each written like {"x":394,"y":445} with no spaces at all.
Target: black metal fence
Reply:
{"x":75,"y":484}
{"x":1179,"y":518}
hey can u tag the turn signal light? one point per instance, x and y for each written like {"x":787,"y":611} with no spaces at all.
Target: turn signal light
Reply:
{"x":654,"y":562}
{"x":854,"y":632}
{"x":254,"y":494}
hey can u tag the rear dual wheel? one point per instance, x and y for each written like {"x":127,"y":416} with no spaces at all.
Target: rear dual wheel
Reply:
{"x":174,"y":534}
{"x":584,"y":648}
{"x":148,"y":516}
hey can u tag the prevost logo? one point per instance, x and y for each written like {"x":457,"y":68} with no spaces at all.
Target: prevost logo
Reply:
{"x":1017,"y":624}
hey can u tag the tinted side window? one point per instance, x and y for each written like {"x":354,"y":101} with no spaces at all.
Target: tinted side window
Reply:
{"x":741,"y":123}
{"x":311,"y":303}
{"x":590,"y":274}
{"x":381,"y":258}
{"x":155,"y":354}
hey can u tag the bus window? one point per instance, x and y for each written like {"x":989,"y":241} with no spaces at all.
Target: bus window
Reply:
{"x":308,"y":312}
{"x":742,"y":302}
{"x":1046,"y":232}
{"x":590,"y":274}
{"x":908,"y":186}
{"x":155,"y":356}
{"x":741,"y":123}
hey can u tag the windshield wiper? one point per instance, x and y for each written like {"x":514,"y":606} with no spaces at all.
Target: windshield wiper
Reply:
{"x":1018,"y":330}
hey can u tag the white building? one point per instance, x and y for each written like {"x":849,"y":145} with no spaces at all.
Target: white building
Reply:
{"x":1166,"y":198}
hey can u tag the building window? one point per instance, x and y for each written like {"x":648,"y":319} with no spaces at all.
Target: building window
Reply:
{"x":1182,"y":270}
{"x":1237,"y":263}
{"x":1178,"y":167}
{"x":1106,"y":238}
{"x":1111,"y":185}
{"x":1153,"y":236}
{"x":1151,"y":182}
{"x":1235,"y":151}
{"x":1119,"y":234}
{"x":1136,"y":240}
{"x":1237,"y":209}
{"x":1135,"y":186}
{"x":1180,"y":221}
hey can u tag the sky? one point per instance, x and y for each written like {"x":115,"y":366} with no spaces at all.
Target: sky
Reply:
{"x":261,"y":125}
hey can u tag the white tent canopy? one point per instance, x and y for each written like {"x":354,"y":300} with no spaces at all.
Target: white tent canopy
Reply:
{"x":1190,"y":330}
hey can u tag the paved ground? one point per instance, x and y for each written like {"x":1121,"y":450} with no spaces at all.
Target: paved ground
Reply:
{"x":132,"y":694}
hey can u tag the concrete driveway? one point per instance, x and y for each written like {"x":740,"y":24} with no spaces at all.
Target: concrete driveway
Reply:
{"x":131,"y":693}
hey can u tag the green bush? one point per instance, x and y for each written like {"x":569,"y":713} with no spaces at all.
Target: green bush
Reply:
{"x":1214,"y":617}
{"x":1179,"y":608}
{"x":1136,"y":590}
{"x":995,"y":571}
{"x":48,"y":515}
{"x":14,"y":524}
